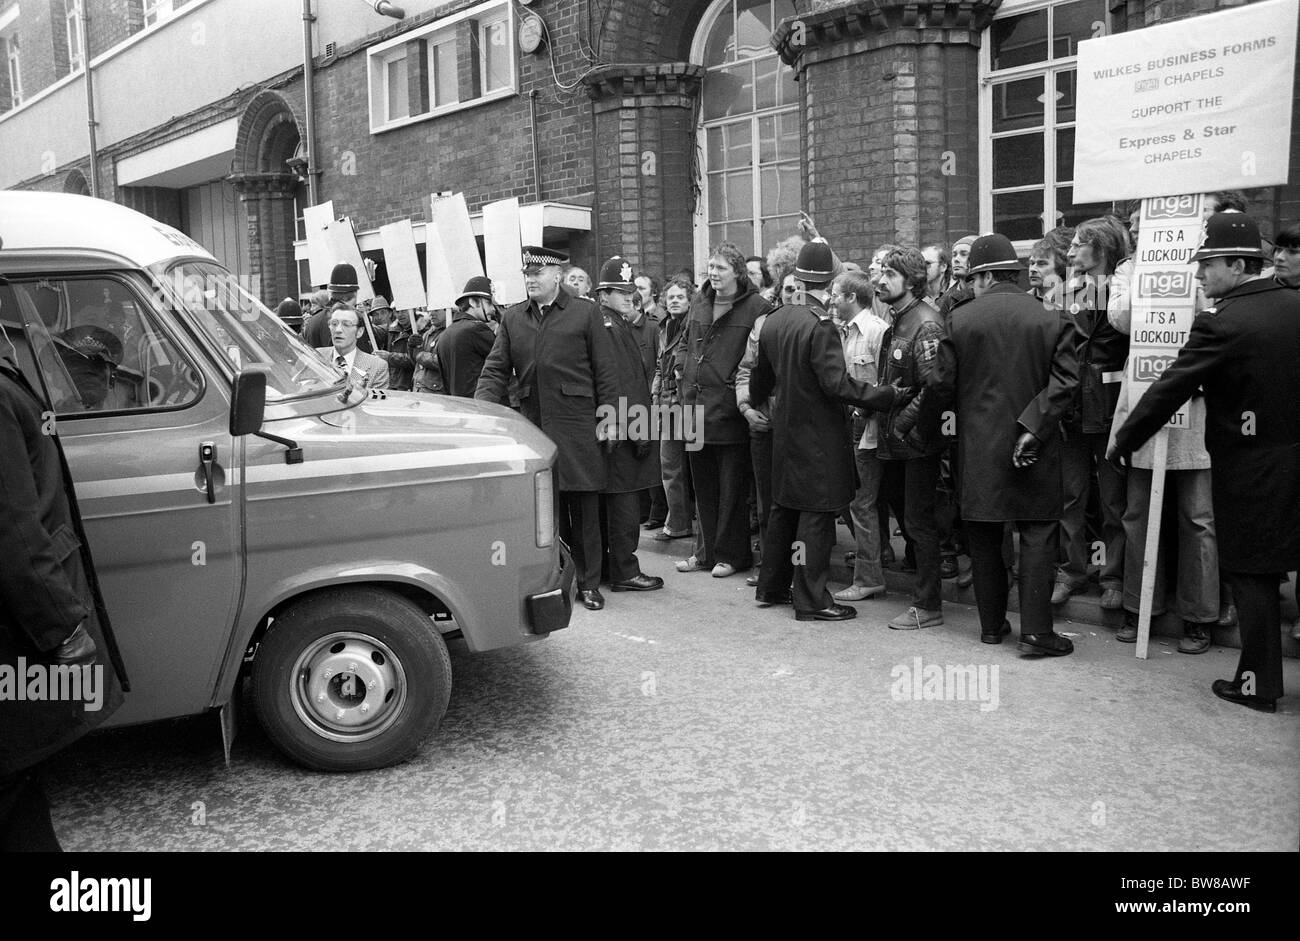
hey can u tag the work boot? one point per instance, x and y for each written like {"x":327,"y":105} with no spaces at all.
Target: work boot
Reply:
{"x":1196,"y":638}
{"x":1128,"y":634}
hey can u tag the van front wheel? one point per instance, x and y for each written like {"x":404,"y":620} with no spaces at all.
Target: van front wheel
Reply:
{"x":351,"y":679}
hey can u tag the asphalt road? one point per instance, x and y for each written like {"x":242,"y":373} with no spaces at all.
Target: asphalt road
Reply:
{"x":689,"y":719}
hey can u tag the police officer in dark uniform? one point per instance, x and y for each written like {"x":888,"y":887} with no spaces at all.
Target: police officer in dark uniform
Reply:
{"x":801,"y":360}
{"x":1243,"y":353}
{"x":51,"y":611}
{"x":631,"y":463}
{"x":465,"y":345}
{"x":558,"y":347}
{"x":1012,"y":364}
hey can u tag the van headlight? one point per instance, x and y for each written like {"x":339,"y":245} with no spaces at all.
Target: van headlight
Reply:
{"x":544,"y":507}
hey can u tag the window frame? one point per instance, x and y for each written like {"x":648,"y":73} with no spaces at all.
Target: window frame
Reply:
{"x":1050,"y":70}
{"x":703,"y":222}
{"x":160,"y":10}
{"x":14,"y":63}
{"x":378,"y":55}
{"x":72,"y":27}
{"x":132,"y":283}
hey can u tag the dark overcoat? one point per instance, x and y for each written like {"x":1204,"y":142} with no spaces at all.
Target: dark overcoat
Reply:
{"x":801,"y":362}
{"x":47,"y":584}
{"x":566,"y":369}
{"x":462,"y":350}
{"x":625,"y":471}
{"x":1244,"y":352}
{"x":1011,"y":365}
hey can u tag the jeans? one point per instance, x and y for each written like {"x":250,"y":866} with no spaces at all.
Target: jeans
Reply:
{"x":720,"y":473}
{"x":760,"y":449}
{"x":867,"y":572}
{"x":673,"y":469}
{"x":1077,"y":456}
{"x":1197,"y":588}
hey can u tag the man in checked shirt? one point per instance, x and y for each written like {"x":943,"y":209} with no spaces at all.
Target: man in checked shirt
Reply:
{"x":851,"y":295}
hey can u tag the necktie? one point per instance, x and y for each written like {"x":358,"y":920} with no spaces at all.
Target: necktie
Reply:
{"x":341,"y":362}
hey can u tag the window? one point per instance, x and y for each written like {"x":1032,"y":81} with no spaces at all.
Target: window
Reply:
{"x":396,"y":95}
{"x":453,"y":63}
{"x":73,"y":24}
{"x":15,"y":73}
{"x":1027,"y":116}
{"x":753,"y":164}
{"x":99,"y":348}
{"x":156,"y":11}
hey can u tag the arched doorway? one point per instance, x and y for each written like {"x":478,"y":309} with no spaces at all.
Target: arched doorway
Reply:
{"x":75,"y":183}
{"x":751,"y":169}
{"x":272,"y":193}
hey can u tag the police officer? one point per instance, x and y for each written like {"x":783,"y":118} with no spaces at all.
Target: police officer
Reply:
{"x":51,"y":611}
{"x":631,"y":463}
{"x":1243,"y":353}
{"x":1012,"y":364}
{"x":558,"y":347}
{"x":801,"y":366}
{"x":467,"y":342}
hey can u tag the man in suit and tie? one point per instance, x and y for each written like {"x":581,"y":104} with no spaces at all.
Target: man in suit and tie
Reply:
{"x":345,"y":329}
{"x":1242,"y":352}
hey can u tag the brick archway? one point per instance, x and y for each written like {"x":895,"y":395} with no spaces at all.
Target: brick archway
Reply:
{"x":268,"y":137}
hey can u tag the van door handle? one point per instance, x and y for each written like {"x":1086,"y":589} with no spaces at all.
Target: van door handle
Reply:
{"x":207,"y":462}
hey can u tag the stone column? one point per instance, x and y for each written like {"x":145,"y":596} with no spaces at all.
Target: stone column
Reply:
{"x":891,"y":99}
{"x":645,"y":163}
{"x":268,"y":202}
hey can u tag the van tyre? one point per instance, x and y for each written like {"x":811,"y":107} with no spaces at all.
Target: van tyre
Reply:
{"x":351,"y":679}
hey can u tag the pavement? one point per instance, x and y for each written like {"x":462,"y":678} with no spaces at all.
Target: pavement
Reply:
{"x":688,"y":719}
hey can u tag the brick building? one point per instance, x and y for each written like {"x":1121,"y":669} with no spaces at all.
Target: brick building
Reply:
{"x":650,"y":128}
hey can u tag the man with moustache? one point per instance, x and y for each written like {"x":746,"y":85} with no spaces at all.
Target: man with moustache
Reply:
{"x":560,"y":350}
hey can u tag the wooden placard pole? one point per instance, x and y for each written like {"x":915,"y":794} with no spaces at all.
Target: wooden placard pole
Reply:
{"x":1151,"y":551}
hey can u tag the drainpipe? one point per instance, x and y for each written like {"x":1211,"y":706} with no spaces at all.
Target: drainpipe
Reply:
{"x":313,"y":174}
{"x":90,"y":100}
{"x":537,"y":163}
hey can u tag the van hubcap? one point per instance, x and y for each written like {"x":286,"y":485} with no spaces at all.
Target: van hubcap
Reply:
{"x":348,"y":687}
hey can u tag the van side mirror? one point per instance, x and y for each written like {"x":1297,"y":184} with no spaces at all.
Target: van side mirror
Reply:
{"x":247,"y":402}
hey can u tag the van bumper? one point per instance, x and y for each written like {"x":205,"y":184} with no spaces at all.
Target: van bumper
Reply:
{"x":551,"y":610}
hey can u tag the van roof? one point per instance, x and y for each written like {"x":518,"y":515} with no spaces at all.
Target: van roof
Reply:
{"x":63,"y":222}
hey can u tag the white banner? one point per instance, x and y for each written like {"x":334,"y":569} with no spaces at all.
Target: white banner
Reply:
{"x":342,"y":241}
{"x":1163,"y":290}
{"x":1198,"y":105}
{"x":451,"y":251}
{"x":320,"y":257}
{"x":503,"y":246}
{"x":403,"y":265}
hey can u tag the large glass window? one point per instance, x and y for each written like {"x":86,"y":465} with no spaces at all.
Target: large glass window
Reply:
{"x":1028,"y":114}
{"x":752,"y":162}
{"x":443,"y":51}
{"x":98,"y":348}
{"x":15,"y":73}
{"x":72,"y":23}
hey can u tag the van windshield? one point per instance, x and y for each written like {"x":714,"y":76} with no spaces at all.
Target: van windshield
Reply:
{"x":247,"y":333}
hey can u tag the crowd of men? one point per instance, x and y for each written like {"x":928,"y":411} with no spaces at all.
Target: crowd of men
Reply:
{"x":931,"y":385}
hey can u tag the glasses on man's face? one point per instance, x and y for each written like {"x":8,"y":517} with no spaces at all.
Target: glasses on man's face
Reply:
{"x":788,"y":289}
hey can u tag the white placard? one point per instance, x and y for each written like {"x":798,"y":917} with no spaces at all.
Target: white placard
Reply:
{"x":449,"y":217}
{"x":403,"y":264}
{"x":1162,"y":293}
{"x":1194,"y":106}
{"x":320,"y":258}
{"x":531,"y":224}
{"x":503,"y":247}
{"x":342,"y":241}
{"x":442,"y":290}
